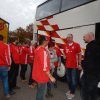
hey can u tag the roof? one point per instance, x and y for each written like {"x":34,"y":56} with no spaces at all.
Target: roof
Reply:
{"x":4,"y":20}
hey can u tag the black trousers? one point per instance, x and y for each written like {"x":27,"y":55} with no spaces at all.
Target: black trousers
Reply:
{"x":30,"y":78}
{"x":23,"y":71}
{"x":55,"y":76}
{"x":89,"y":87}
{"x":12,"y":75}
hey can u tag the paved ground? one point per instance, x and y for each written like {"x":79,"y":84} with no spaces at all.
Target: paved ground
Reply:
{"x":26,"y":93}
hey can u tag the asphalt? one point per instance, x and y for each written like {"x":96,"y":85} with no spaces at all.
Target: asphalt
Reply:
{"x":26,"y":93}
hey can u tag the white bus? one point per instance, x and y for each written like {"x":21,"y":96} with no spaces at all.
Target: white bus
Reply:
{"x":57,"y":18}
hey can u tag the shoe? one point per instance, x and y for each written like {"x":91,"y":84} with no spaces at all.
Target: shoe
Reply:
{"x":55,"y":85}
{"x":33,"y":85}
{"x":70,"y":97}
{"x":24,"y":80}
{"x":12,"y":92}
{"x":68,"y":93}
{"x":7,"y":96}
{"x":17,"y":88}
{"x":49,"y":94}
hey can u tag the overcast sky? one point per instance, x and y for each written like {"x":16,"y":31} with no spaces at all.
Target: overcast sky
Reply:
{"x":18,"y":12}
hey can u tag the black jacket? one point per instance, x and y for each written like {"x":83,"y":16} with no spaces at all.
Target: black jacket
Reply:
{"x":91,"y":62}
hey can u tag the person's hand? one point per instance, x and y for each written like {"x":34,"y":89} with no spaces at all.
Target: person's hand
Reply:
{"x":64,"y":56}
{"x":9,"y":68}
{"x":52,"y":79}
{"x":59,"y":64}
{"x":79,"y":67}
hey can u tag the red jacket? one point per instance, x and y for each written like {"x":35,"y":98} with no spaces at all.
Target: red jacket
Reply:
{"x":71,"y":53}
{"x":41,"y":65}
{"x":5,"y":59}
{"x":15,"y":53}
{"x":31,"y":54}
{"x":24,"y":52}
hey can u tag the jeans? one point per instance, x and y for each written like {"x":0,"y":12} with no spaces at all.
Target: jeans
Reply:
{"x":31,"y":81}
{"x":4,"y":78}
{"x":41,"y":91}
{"x":72,"y":79}
{"x":89,"y":87}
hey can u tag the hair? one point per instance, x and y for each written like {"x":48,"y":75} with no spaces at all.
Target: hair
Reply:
{"x":1,"y":37}
{"x":27,"y":42}
{"x":70,"y":35}
{"x":41,"y":39}
{"x":13,"y":39}
{"x":51,"y":44}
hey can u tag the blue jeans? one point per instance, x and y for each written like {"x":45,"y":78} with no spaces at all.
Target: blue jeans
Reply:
{"x":72,"y":79}
{"x":41,"y":90}
{"x":4,"y":78}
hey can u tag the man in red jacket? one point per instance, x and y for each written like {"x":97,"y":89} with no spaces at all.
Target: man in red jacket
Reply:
{"x":5,"y":62}
{"x":72,"y":52}
{"x":41,"y":70}
{"x":32,"y":47}
{"x":24,"y":52}
{"x":13,"y":73}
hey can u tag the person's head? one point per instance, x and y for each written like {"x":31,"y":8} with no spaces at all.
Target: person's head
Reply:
{"x":51,"y":45}
{"x":1,"y":37}
{"x":43,"y":41}
{"x":27,"y":43}
{"x":14,"y":40}
{"x":34,"y":44}
{"x":69,"y":38}
{"x":88,"y":37}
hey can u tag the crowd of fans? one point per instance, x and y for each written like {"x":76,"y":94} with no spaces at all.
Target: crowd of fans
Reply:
{"x":44,"y":60}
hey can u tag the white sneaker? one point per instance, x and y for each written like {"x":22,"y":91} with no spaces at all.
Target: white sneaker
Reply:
{"x":68,"y":93}
{"x":71,"y":96}
{"x":8,"y":96}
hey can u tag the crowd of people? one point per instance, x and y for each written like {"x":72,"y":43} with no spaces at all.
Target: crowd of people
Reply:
{"x":44,"y":59}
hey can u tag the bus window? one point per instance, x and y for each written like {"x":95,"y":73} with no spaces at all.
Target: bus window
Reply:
{"x":68,"y":4}
{"x":49,"y":8}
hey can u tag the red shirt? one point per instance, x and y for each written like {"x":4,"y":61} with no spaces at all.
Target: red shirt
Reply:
{"x":31,"y":54}
{"x":58,"y":52}
{"x":15,"y":53}
{"x":24,"y":51}
{"x":5,"y":59}
{"x":71,"y":54}
{"x":41,"y":65}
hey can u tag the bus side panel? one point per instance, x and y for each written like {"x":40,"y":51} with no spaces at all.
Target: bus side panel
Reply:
{"x":78,"y":34}
{"x":83,"y":15}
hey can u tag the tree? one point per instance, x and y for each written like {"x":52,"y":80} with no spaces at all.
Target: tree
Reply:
{"x":23,"y":34}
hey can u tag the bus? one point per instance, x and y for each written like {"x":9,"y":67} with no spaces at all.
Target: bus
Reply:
{"x":57,"y":18}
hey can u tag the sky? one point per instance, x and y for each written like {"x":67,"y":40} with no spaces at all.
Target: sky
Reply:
{"x":19,"y":13}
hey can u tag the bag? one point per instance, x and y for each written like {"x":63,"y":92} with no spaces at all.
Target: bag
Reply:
{"x":61,"y":70}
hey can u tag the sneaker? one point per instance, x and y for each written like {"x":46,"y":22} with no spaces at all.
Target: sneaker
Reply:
{"x":68,"y":93}
{"x":31,"y":86}
{"x":24,"y":80}
{"x":7,"y":96}
{"x":49,"y":95}
{"x":70,"y":97}
{"x":17,"y":88}
{"x":12,"y":92}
